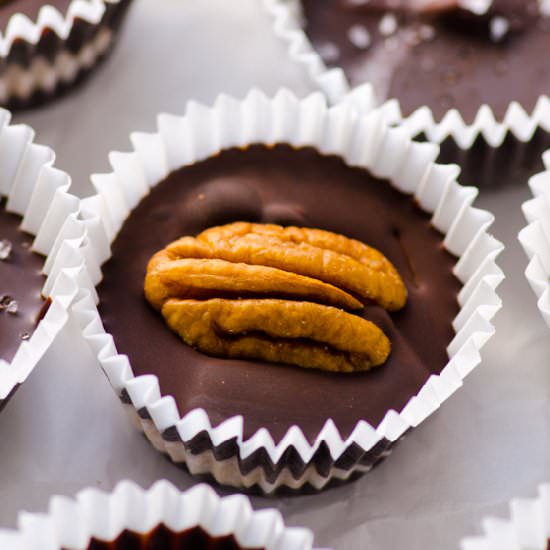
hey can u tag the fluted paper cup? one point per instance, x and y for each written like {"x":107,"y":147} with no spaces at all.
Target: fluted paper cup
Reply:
{"x":368,"y":142}
{"x":196,"y":519}
{"x":42,"y":58}
{"x":535,"y":238}
{"x":528,"y":527}
{"x":37,"y":192}
{"x":487,"y":149}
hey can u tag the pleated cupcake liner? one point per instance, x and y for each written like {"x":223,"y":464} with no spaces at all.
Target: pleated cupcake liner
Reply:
{"x":38,"y":193}
{"x":41,"y":59}
{"x":366,"y":141}
{"x":488,"y":149}
{"x":535,"y":238}
{"x":195,"y":519}
{"x":528,"y":527}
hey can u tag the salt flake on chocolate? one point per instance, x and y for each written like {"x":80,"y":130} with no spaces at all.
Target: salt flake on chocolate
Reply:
{"x":544,"y":8}
{"x":359,"y":36}
{"x":329,"y":52}
{"x":7,"y":303}
{"x":388,"y":25}
{"x":5,"y":249}
{"x":478,"y":7}
{"x":499,"y":27}
{"x":13,"y":307}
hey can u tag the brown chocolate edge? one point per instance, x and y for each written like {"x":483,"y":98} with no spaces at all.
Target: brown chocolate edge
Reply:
{"x":162,"y":536}
{"x":322,"y":460}
{"x":50,"y":45}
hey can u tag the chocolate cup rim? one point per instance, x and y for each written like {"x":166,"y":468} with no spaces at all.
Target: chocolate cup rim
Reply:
{"x":44,"y":206}
{"x":526,"y":527}
{"x":20,"y":27}
{"x":422,"y":122}
{"x":337,"y":130}
{"x":71,"y":523}
{"x":535,"y":239}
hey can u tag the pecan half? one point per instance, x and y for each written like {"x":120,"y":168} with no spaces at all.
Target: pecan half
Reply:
{"x":201,"y":279}
{"x":331,"y":258}
{"x":276,"y":294}
{"x":280,"y":331}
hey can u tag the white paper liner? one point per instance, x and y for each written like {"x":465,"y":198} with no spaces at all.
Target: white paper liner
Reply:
{"x":527,"y":529}
{"x":362,"y":141}
{"x":535,"y":238}
{"x":20,"y":80}
{"x":37,"y":192}
{"x":21,"y":27}
{"x":70,"y":524}
{"x":287,"y":25}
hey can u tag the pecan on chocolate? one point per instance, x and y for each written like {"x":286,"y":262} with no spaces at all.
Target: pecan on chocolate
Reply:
{"x":346,"y":263}
{"x":303,"y":334}
{"x":201,"y":279}
{"x":260,"y":291}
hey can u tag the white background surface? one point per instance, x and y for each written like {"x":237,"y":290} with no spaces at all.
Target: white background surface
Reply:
{"x":65,"y":429}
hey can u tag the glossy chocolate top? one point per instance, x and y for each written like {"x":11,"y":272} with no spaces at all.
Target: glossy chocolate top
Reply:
{"x":30,"y":8}
{"x":285,"y":186}
{"x":21,"y":281}
{"x":454,"y":59}
{"x":164,"y":538}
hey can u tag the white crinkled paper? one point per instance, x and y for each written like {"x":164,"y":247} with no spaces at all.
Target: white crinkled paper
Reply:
{"x":288,"y":26}
{"x":37,"y":192}
{"x":527,"y":529}
{"x":70,"y":524}
{"x":364,"y":141}
{"x":21,"y":27}
{"x":535,"y":238}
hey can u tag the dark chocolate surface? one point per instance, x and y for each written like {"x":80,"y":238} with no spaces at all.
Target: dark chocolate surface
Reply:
{"x":285,"y":186}
{"x":462,"y":66}
{"x":162,"y":538}
{"x":30,"y":8}
{"x":21,"y":279}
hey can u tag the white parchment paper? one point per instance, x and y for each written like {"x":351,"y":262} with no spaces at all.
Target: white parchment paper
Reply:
{"x":65,"y":430}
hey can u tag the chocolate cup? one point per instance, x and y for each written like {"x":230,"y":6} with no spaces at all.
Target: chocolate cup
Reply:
{"x":160,"y":517}
{"x":69,"y":57}
{"x":482,"y":148}
{"x":35,"y":195}
{"x":293,"y":461}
